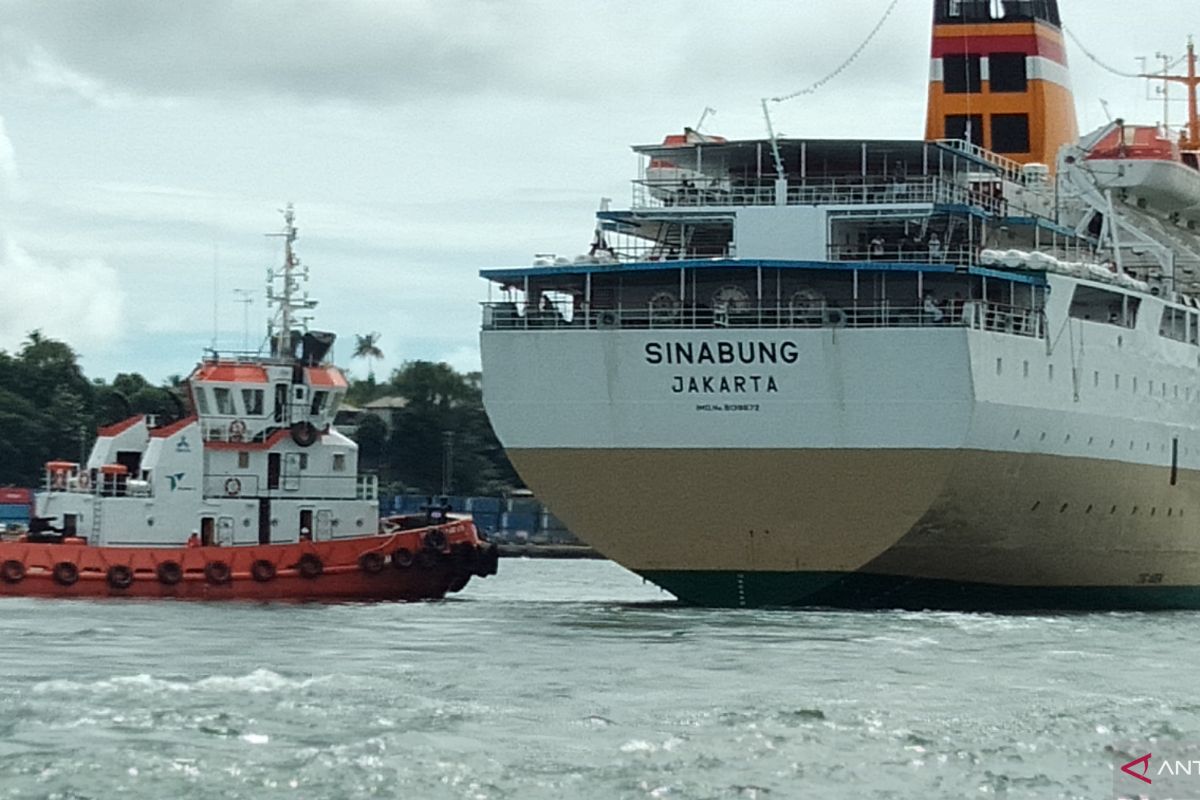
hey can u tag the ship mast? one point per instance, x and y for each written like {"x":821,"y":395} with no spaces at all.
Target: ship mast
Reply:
{"x":1192,"y":82}
{"x":286,"y":296}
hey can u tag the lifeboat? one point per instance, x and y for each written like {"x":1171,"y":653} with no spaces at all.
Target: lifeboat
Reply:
{"x":253,"y":496}
{"x":1146,"y":167}
{"x":671,"y":181}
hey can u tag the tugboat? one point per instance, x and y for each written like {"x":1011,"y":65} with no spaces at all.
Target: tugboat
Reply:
{"x":253,"y":496}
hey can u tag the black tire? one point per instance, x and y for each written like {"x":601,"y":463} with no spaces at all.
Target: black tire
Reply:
{"x":120,"y":577}
{"x":310,"y":566}
{"x":217,"y":573}
{"x":305,"y":434}
{"x":65,"y":573}
{"x":434,"y":540}
{"x":12,"y":571}
{"x":371,"y":563}
{"x":169,"y":573}
{"x":402,"y":558}
{"x":262,"y":571}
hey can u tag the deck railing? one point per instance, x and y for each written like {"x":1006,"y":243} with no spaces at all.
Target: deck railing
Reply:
{"x":974,"y":314}
{"x":872,"y":190}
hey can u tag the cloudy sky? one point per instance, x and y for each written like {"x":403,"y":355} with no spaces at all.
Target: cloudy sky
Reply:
{"x":146,"y":146}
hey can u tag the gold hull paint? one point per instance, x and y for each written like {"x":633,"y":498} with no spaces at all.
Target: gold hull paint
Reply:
{"x":1004,"y":519}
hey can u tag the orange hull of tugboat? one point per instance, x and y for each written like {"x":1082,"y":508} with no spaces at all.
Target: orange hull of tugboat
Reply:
{"x":421,"y":564}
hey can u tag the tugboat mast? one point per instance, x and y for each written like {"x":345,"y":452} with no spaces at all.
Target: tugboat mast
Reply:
{"x":285,"y":297}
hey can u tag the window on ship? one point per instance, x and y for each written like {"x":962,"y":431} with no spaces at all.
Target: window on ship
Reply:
{"x":1100,"y":305}
{"x":224,"y":399}
{"x":1175,"y":323}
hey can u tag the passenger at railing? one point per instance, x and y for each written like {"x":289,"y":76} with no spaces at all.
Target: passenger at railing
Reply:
{"x":956,"y":307}
{"x":877,"y":248}
{"x":935,"y":248}
{"x":931,"y":309}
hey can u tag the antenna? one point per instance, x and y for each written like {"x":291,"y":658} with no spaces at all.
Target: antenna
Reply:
{"x":246,"y":298}
{"x":215,"y":287}
{"x":285,"y":298}
{"x":779,"y":173}
{"x":1104,"y":105}
{"x":707,"y":110}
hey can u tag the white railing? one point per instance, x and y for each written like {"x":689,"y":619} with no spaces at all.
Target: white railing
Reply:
{"x":975,"y":314}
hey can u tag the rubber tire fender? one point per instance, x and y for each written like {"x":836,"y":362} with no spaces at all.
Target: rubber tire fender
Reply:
{"x":12,"y":571}
{"x":65,"y":573}
{"x":119,"y":576}
{"x":169,"y":573}
{"x":310,"y":566}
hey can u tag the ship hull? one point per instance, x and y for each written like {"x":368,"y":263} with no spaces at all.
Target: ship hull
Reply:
{"x":396,"y":566}
{"x":956,"y":529}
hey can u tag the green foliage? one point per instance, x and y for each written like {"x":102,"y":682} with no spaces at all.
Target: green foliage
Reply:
{"x":444,"y":408}
{"x":49,"y":410}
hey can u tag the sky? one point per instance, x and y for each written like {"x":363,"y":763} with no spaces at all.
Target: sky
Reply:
{"x":146,"y":147}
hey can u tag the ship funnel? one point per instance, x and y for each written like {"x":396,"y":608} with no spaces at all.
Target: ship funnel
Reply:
{"x":999,"y":78}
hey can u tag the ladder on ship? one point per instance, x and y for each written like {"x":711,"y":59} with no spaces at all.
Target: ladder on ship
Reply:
{"x":97,"y":516}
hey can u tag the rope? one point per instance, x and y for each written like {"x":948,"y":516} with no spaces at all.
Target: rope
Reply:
{"x":845,"y":64}
{"x":1095,"y":60}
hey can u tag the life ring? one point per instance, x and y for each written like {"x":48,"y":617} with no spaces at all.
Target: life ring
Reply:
{"x":58,"y":479}
{"x":169,"y":573}
{"x":12,"y":571}
{"x":237,"y":430}
{"x":233,"y":487}
{"x":402,"y":558}
{"x":217,"y":573}
{"x":371,"y":563}
{"x":305,"y":434}
{"x":65,"y":573}
{"x":85,"y":480}
{"x":120,"y":577}
{"x":310,"y":566}
{"x":262,"y":571}
{"x":434,"y":540}
{"x":834,"y":317}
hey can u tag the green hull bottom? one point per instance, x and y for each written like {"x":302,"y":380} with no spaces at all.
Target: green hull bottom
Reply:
{"x":866,"y":591}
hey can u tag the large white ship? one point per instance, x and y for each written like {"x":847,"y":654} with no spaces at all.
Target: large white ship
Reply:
{"x":959,"y":372}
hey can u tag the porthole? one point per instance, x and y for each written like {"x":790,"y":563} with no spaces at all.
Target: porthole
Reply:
{"x":1135,"y":510}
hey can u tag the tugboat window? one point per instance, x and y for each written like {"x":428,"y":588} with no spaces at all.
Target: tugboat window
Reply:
{"x":201,"y":396}
{"x":318,"y":402}
{"x":224,"y":400}
{"x":962,"y":74}
{"x":253,"y":400}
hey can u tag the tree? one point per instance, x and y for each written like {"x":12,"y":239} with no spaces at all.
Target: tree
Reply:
{"x":368,"y":347}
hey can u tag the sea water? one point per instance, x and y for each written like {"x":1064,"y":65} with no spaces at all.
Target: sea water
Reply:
{"x":576,"y":680}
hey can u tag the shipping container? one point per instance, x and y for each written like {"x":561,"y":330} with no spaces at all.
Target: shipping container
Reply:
{"x":11,"y":495}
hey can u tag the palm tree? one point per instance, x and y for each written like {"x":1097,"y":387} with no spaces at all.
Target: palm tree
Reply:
{"x":368,"y":347}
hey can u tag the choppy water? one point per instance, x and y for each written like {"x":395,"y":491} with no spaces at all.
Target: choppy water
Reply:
{"x":575,"y":680}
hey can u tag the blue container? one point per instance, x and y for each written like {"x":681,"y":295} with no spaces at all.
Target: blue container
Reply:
{"x":513,"y":521}
{"x":485,"y":505}
{"x":14,"y":513}
{"x":523,"y":505}
{"x":488,"y":523}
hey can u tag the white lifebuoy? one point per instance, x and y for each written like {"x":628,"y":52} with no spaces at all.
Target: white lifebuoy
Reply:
{"x":237,"y":430}
{"x":59,"y":479}
{"x":233,"y":487}
{"x":84,"y":480}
